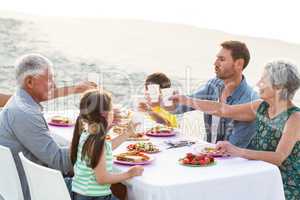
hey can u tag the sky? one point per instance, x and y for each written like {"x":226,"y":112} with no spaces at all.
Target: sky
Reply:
{"x":276,"y":19}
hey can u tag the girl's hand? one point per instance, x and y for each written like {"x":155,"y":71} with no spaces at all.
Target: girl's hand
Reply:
{"x":131,"y":128}
{"x":135,"y":171}
{"x":143,"y":107}
{"x":226,"y":147}
{"x":117,"y":116}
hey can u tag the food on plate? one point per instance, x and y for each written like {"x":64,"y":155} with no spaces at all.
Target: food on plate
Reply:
{"x":197,"y":160}
{"x":138,"y":137}
{"x":119,"y":129}
{"x":60,"y":120}
{"x":132,"y":156}
{"x":146,"y":147}
{"x":212,"y":152}
{"x":160,"y":130}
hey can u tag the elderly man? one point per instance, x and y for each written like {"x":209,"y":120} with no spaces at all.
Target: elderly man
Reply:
{"x":228,"y":87}
{"x":23,"y":127}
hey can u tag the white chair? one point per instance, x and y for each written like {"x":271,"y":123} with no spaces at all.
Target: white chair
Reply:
{"x":10,"y":185}
{"x":44,"y":183}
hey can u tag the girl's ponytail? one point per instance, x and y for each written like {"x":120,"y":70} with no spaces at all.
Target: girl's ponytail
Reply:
{"x":75,"y":140}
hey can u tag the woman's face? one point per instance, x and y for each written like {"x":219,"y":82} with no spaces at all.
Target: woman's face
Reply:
{"x":266,"y":90}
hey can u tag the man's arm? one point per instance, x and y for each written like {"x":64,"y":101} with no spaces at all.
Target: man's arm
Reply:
{"x":59,"y":92}
{"x":201,"y":93}
{"x":31,"y":130}
{"x":76,"y":89}
{"x":241,"y":112}
{"x":178,"y":108}
{"x":3,"y":99}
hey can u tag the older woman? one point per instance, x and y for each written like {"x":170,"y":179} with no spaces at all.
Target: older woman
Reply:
{"x":277,"y":138}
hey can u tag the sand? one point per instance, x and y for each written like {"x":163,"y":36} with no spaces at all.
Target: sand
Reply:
{"x":126,"y":50}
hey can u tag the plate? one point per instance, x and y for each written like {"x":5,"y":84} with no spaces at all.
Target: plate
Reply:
{"x":60,"y":124}
{"x":153,"y":134}
{"x":133,"y":163}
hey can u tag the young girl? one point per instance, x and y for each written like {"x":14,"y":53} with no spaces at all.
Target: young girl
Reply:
{"x":91,"y":149}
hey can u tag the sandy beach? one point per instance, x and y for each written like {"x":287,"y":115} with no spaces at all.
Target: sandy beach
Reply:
{"x":125,"y":51}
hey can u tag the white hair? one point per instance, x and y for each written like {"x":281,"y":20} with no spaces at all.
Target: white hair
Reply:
{"x":30,"y":65}
{"x":284,"y":74}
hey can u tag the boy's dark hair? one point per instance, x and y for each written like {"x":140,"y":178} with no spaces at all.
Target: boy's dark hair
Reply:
{"x":158,"y":78}
{"x":238,"y":50}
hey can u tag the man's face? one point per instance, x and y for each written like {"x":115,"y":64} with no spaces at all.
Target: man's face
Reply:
{"x":224,"y":64}
{"x":42,"y":85}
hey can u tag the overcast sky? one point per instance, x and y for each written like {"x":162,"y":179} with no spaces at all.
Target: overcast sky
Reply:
{"x":279,"y":19}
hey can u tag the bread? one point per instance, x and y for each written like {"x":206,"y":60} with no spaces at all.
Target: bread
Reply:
{"x":132,"y":157}
{"x":161,"y":129}
{"x":60,"y":120}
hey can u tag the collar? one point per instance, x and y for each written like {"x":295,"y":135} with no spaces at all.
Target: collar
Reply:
{"x":25,"y":100}
{"x":239,"y":91}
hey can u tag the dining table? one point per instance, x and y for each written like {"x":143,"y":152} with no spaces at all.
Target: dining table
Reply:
{"x":165,"y":178}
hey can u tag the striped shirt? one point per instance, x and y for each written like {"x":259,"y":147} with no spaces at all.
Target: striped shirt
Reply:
{"x":84,"y":180}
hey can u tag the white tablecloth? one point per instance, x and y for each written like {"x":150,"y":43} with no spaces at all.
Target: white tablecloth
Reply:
{"x":166,"y":179}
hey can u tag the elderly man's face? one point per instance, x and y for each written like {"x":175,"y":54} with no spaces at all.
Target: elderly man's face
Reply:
{"x":42,"y":85}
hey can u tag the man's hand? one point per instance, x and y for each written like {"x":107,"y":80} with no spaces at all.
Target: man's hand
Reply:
{"x":83,"y":86}
{"x":174,"y":104}
{"x":178,"y":99}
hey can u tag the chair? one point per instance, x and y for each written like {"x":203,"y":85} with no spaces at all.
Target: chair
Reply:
{"x":10,"y":185}
{"x":44,"y":183}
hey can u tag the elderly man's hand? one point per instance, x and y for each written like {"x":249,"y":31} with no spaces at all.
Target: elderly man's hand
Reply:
{"x":85,"y":85}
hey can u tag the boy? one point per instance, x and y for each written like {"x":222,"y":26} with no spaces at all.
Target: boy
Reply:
{"x":155,"y":110}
